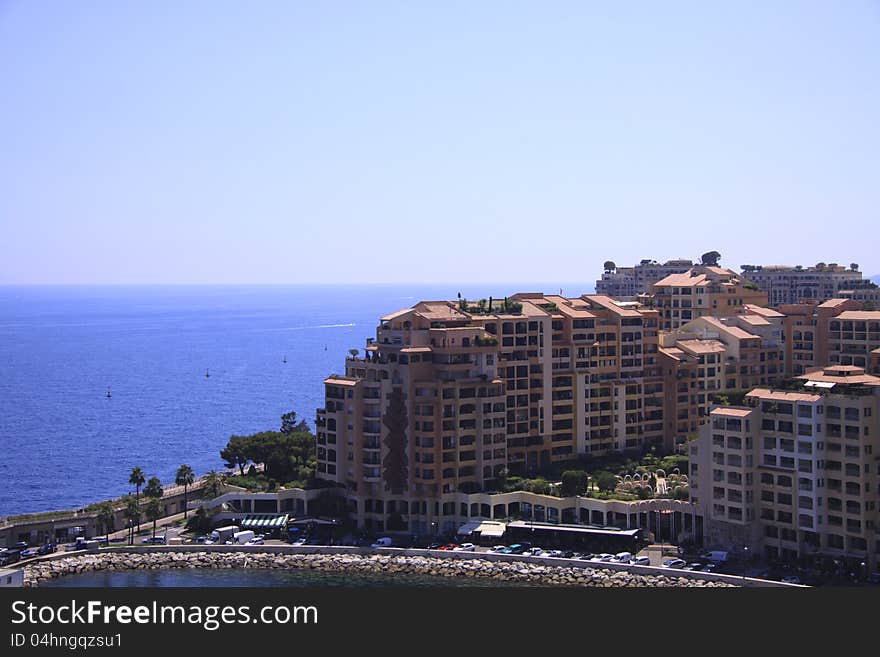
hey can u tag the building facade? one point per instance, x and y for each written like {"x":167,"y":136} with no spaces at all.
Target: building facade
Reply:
{"x":702,"y":292}
{"x":629,"y":282}
{"x":790,"y":285}
{"x":794,"y":474}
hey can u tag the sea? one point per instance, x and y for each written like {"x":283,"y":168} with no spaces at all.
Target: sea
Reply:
{"x":186,"y":367}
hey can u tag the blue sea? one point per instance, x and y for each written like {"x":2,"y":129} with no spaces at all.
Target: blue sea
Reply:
{"x":64,"y":444}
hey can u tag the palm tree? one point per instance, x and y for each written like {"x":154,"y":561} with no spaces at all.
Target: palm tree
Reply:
{"x":154,"y":512}
{"x":137,"y":479}
{"x":213,"y":482}
{"x":154,"y":488}
{"x":185,"y":478}
{"x":132,"y":514}
{"x":106,"y":516}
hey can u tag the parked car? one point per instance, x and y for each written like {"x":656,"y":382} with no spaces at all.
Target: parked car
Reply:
{"x":641,"y":561}
{"x":536,"y":552}
{"x":154,"y":540}
{"x":792,"y":580}
{"x":520,"y":548}
{"x":604,"y":556}
{"x":623,"y":557}
{"x":21,"y":545}
{"x":674,"y":563}
{"x":500,"y":549}
{"x":435,"y":546}
{"x":255,"y":541}
{"x":465,"y":547}
{"x":694,"y":566}
{"x":200,"y":539}
{"x":567,"y":554}
{"x":27,"y":553}
{"x":48,"y":548}
{"x":586,"y":556}
{"x":707,"y":568}
{"x":9,"y":556}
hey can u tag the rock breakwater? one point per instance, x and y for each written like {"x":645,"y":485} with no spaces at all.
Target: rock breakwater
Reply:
{"x":379,"y":564}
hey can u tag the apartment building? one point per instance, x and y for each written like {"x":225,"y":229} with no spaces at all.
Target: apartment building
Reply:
{"x":836,"y":331}
{"x":701,"y":292}
{"x":709,"y":356}
{"x":794,"y":474}
{"x":790,"y":285}
{"x":448,"y":395}
{"x":629,"y":282}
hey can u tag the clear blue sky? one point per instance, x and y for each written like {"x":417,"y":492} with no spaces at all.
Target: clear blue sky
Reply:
{"x":294,"y":142}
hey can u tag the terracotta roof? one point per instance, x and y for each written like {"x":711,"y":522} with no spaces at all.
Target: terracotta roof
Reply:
{"x":609,"y":304}
{"x":682,"y":280}
{"x":339,"y":381}
{"x":394,"y":315}
{"x":754,"y":320}
{"x":864,"y":315}
{"x":848,"y":375}
{"x":701,"y":346}
{"x":761,"y":310}
{"x":832,"y":303}
{"x":731,"y":411}
{"x":781,"y":395}
{"x":734,"y":331}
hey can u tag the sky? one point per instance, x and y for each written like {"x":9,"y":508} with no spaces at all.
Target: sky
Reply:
{"x":294,"y":142}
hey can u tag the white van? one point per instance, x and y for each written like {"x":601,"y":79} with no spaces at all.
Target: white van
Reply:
{"x":240,"y":538}
{"x":382,"y":542}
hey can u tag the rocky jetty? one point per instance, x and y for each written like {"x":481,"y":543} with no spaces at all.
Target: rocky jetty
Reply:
{"x":511,"y":571}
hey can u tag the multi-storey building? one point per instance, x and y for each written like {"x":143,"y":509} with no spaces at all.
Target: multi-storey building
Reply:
{"x":789,"y":285}
{"x":629,"y":282}
{"x":709,"y":356}
{"x":701,"y":292}
{"x":794,"y":474}
{"x":448,"y":396}
{"x":836,"y":331}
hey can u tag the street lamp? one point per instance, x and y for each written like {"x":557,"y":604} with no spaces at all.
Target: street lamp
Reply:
{"x":745,"y":560}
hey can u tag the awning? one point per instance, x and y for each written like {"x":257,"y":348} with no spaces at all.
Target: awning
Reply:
{"x":264,"y":521}
{"x":468,"y":528}
{"x":492,"y":529}
{"x":483,"y":528}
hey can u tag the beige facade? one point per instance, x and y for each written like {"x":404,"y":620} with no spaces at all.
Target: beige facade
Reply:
{"x":794,"y":474}
{"x":702,"y":292}
{"x":792,"y":285}
{"x":629,"y":282}
{"x":450,"y":396}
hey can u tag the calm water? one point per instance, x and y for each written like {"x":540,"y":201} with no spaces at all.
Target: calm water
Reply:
{"x":206,"y":577}
{"x":64,"y":444}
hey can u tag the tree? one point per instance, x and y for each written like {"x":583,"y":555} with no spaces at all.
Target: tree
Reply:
{"x":606,"y":481}
{"x":290,"y":425}
{"x":820,"y":266}
{"x":748,"y":269}
{"x":236,"y":452}
{"x":153,"y":511}
{"x":153,"y":489}
{"x":574,"y":482}
{"x":137,"y":479}
{"x":200,"y":521}
{"x":710,"y":258}
{"x":132,"y":514}
{"x":184,"y":477}
{"x":609,"y":266}
{"x":395,"y":460}
{"x":213,"y":483}
{"x":854,"y":266}
{"x":538,"y":485}
{"x":106,"y":516}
